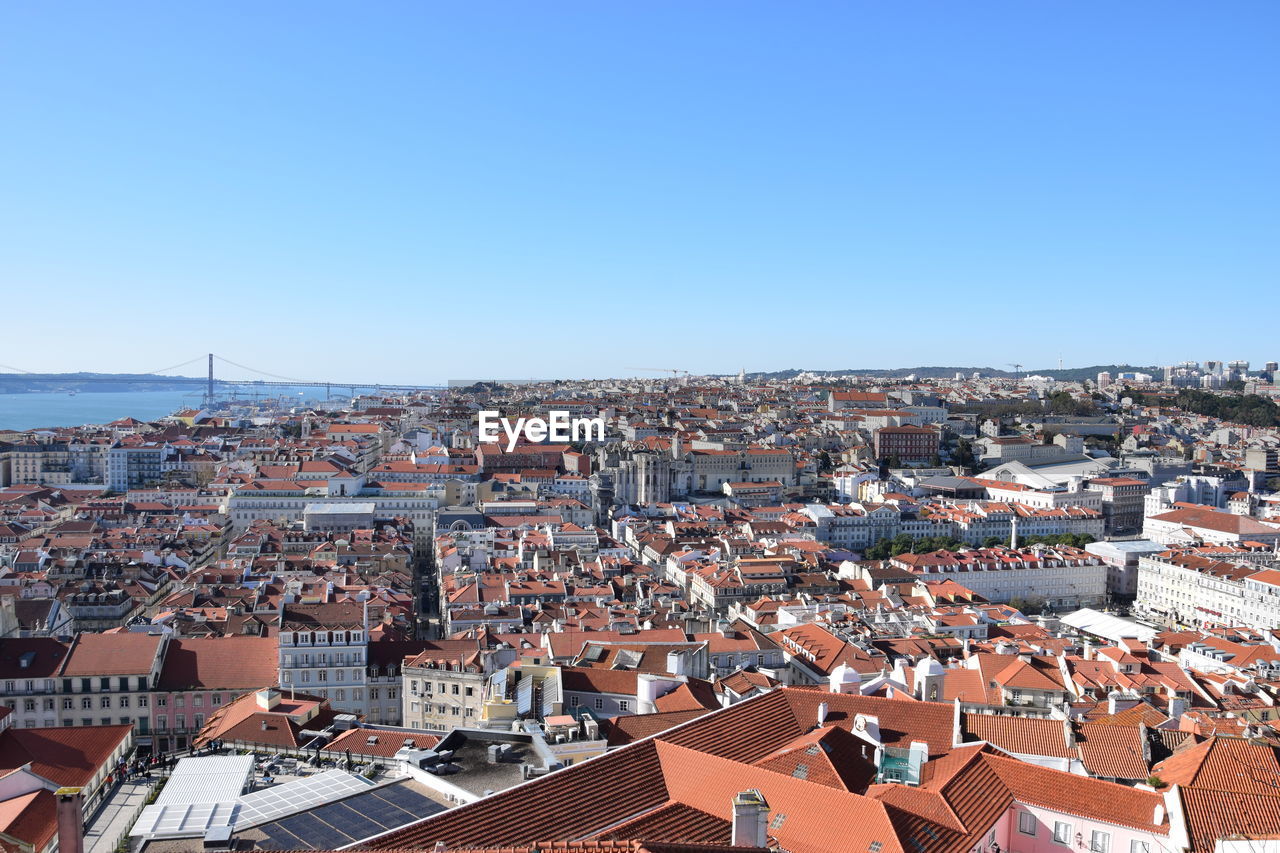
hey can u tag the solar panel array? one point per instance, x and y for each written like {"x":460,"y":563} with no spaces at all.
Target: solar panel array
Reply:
{"x":270,"y":803}
{"x":353,"y":819}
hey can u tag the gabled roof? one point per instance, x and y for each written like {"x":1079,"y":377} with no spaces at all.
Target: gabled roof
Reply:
{"x":1223,"y":763}
{"x":829,"y":756}
{"x":68,"y":756}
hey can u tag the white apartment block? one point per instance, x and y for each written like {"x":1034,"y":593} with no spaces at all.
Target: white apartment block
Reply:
{"x":1194,"y":590}
{"x":1060,"y":576}
{"x":324,"y":652}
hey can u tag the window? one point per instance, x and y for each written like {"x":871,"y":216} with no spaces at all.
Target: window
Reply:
{"x":162,"y":701}
{"x":66,"y":703}
{"x":216,"y":699}
{"x":624,"y":705}
{"x":455,"y":690}
{"x":1136,"y":846}
{"x":124,"y":701}
{"x":1061,"y":832}
{"x":599,"y":704}
{"x":1027,"y":823}
{"x":1101,"y":841}
{"x":29,"y":705}
{"x":85,"y":704}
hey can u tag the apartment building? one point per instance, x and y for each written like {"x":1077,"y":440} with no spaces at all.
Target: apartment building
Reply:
{"x":1059,"y":576}
{"x":324,"y":652}
{"x":1197,"y":588}
{"x":444,"y":686}
{"x":96,"y":679}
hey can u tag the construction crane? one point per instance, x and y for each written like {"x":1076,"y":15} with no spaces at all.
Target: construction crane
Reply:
{"x":1017,"y":371}
{"x":672,"y":371}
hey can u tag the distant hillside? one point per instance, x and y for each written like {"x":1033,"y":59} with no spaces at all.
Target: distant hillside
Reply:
{"x":1070,"y":374}
{"x":83,"y":382}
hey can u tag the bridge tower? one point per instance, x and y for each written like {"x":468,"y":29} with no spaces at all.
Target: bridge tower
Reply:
{"x":208,"y":391}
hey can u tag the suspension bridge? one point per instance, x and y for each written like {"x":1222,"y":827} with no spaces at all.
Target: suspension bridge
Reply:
{"x":210,"y":383}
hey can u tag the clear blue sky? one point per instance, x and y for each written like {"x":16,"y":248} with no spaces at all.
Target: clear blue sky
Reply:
{"x":425,"y":190}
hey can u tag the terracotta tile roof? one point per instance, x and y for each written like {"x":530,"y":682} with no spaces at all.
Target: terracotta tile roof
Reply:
{"x":1078,"y":795}
{"x":1036,"y":674}
{"x":69,"y":756}
{"x":622,"y":730}
{"x":674,"y":822}
{"x":338,"y":615}
{"x":693,"y":695}
{"x":243,"y":720}
{"x":111,"y":654}
{"x":1224,"y":764}
{"x":220,"y":663}
{"x":386,"y":743}
{"x":1021,"y":735}
{"x":828,"y":756}
{"x":43,"y":656}
{"x":805,"y":826}
{"x":570,"y":803}
{"x":1112,"y":752}
{"x":1212,"y":815}
{"x":32,"y":818}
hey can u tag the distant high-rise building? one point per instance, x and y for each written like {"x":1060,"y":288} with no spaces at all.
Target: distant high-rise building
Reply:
{"x":1104,"y":379}
{"x":1270,"y":369}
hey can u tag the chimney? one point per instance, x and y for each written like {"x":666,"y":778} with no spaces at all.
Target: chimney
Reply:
{"x":70,"y":820}
{"x":750,"y":819}
{"x":822,"y":713}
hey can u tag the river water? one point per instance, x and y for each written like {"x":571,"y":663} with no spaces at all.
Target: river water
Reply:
{"x":28,"y":411}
